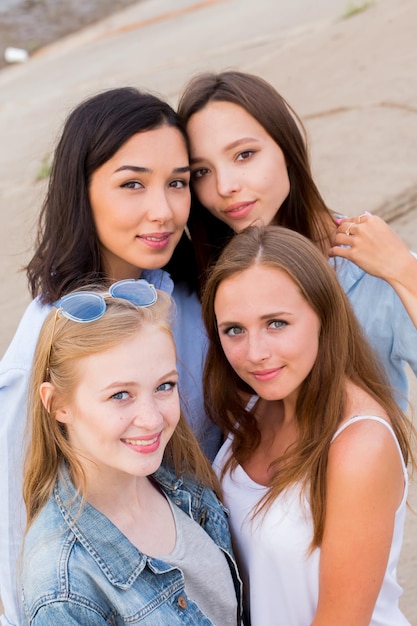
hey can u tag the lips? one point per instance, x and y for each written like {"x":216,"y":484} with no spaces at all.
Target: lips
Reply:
{"x":144,"y":445}
{"x":239,"y":210}
{"x":141,"y":442}
{"x":156,"y":240}
{"x":264,"y":375}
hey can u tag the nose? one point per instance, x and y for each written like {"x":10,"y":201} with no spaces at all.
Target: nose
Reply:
{"x":257,"y":348}
{"x":227,"y":181}
{"x":159,"y":207}
{"x":147,"y":416}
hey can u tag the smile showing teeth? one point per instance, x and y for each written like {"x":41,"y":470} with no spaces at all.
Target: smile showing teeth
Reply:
{"x":154,"y":238}
{"x":141,"y":442}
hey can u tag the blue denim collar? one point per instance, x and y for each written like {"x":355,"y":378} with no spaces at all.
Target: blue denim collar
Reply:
{"x":119,"y":560}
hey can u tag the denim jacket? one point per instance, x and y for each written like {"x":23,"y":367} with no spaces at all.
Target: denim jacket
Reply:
{"x":78,"y":568}
{"x":190,"y":340}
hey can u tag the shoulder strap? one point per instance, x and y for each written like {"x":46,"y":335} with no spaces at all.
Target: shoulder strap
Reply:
{"x":373,"y":418}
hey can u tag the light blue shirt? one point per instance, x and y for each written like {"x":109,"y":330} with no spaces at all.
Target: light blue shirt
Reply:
{"x":385,"y":322}
{"x":15,"y":369}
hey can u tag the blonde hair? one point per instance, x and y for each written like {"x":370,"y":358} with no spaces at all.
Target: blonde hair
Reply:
{"x":61,"y":344}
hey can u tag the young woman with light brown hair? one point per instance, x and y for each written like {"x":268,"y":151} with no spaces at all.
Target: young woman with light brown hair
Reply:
{"x":119,"y":496}
{"x":314,"y":467}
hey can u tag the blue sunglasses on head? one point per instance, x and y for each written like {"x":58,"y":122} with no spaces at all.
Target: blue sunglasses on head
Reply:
{"x":87,"y":306}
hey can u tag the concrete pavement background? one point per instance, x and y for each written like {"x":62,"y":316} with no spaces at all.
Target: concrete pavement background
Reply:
{"x":352,"y":79}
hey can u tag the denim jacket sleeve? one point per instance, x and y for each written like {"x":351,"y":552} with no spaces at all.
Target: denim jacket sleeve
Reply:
{"x":66,"y":613}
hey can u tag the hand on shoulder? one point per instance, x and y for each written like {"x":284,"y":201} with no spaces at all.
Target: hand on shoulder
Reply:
{"x":371,"y":243}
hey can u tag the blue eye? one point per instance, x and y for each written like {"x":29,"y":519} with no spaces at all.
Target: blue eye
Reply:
{"x":167,"y":386}
{"x":233,"y":331}
{"x":275,"y":324}
{"x":120,"y":395}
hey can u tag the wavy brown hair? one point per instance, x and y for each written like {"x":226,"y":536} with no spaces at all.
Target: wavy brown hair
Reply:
{"x":62,"y":343}
{"x":343,"y":354}
{"x":304,"y":210}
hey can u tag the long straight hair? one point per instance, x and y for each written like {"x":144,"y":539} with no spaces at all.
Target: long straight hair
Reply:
{"x":304,"y":209}
{"x":61,"y":345}
{"x":343,"y":354}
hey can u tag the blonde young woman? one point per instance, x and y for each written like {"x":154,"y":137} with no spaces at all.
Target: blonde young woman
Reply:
{"x":119,"y":497}
{"x":314,"y":467}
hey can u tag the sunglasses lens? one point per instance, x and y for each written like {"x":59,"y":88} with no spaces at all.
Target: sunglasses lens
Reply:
{"x":138,"y":292}
{"x":82,"y":307}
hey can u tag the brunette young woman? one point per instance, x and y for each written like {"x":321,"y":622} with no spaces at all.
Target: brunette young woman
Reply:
{"x":116,"y":207}
{"x":314,"y":468}
{"x":249,"y":162}
{"x":119,"y":496}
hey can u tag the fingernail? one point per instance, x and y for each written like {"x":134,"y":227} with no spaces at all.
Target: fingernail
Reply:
{"x":367,"y":213}
{"x":338,"y":220}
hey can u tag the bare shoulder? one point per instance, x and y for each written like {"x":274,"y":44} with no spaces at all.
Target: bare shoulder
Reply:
{"x":365,"y":452}
{"x":359,"y":402}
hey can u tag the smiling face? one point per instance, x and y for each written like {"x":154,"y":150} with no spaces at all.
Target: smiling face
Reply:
{"x":238,"y":171}
{"x":268,"y":331}
{"x":125,"y":407}
{"x":140,"y":201}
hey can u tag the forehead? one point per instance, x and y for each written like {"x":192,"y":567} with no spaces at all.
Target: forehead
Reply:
{"x":231,"y":117}
{"x":165,"y":136}
{"x":139,"y":355}
{"x":256,"y":287}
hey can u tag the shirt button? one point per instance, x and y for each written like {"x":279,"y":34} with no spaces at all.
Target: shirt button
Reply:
{"x":182,"y":602}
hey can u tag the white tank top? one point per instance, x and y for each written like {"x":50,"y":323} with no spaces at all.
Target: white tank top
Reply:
{"x":281,"y":579}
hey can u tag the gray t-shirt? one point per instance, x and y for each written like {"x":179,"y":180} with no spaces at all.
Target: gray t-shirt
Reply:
{"x":208,"y":580}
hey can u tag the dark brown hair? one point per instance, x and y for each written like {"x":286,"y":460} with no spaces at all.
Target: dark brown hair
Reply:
{"x":67,"y":253}
{"x":343,"y":354}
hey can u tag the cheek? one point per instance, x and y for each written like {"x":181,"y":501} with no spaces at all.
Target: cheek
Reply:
{"x":234,"y":353}
{"x":184,"y":207}
{"x":172,"y":413}
{"x":205,"y":192}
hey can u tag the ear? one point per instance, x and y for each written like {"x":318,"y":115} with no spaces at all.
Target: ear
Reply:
{"x":46,"y":392}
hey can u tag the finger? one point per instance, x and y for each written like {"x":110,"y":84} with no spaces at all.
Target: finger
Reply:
{"x":348,"y":228}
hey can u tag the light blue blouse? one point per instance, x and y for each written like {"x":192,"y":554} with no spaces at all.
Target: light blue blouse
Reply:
{"x":385,"y":322}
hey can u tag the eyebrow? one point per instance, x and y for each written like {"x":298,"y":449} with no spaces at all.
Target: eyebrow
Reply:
{"x":267,"y":316}
{"x":148,"y":170}
{"x":117,"y":384}
{"x":229,"y":146}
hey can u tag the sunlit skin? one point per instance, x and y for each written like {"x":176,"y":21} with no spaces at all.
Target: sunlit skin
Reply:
{"x":124,"y":410}
{"x":270,"y":335}
{"x":140,"y":201}
{"x":239,"y":172}
{"x":268,"y":331}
